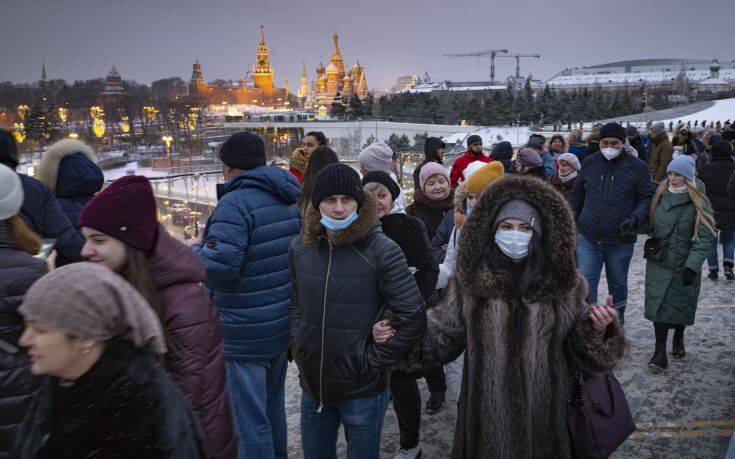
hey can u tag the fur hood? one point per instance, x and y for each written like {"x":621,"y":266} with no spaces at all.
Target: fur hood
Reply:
{"x":559,"y":240}
{"x":50,"y":165}
{"x":460,"y":199}
{"x":367,"y":219}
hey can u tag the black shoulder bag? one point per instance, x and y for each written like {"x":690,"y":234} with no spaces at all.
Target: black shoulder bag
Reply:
{"x":655,"y":248}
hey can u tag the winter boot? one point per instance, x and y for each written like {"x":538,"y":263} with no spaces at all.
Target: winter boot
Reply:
{"x":659,"y":362}
{"x":434,"y":405}
{"x":713,"y":274}
{"x":728,"y":270}
{"x":413,"y":453}
{"x":677,"y":348}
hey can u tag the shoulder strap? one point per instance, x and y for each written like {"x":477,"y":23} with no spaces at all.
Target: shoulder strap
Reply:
{"x":678,"y":219}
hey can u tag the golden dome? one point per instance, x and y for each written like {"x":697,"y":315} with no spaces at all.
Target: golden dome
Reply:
{"x":323,"y":77}
{"x":331,"y":68}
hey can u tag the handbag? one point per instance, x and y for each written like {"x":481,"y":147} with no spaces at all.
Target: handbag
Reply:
{"x":655,"y":248}
{"x":598,"y":415}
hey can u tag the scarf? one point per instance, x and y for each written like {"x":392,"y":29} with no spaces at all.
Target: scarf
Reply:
{"x":570,"y":176}
{"x":677,"y":190}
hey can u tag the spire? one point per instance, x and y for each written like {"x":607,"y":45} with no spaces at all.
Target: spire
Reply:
{"x":335,"y":49}
{"x":43,"y":71}
{"x":262,"y":35}
{"x":303,"y":71}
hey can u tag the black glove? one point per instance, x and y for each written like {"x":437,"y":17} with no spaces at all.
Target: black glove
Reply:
{"x":628,"y":226}
{"x":688,"y":277}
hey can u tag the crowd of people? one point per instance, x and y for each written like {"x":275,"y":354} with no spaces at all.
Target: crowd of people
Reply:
{"x":123,"y":341}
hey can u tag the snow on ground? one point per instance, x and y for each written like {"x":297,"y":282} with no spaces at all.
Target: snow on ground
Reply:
{"x":492,"y":135}
{"x":722,"y":110}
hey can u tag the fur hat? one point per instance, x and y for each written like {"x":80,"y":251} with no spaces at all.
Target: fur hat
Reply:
{"x":483,"y":177}
{"x":431,"y":169}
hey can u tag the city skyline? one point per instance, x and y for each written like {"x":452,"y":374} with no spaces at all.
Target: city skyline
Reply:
{"x":390,"y":40}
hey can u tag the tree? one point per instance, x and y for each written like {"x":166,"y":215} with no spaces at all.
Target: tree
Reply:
{"x":399,"y":144}
{"x":419,"y":140}
{"x":40,"y":123}
{"x":370,"y":140}
{"x":368,"y":104}
{"x":355,"y":108}
{"x":338,"y":109}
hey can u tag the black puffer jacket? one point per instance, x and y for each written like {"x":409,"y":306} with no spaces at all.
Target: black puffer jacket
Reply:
{"x":124,"y":406}
{"x":341,"y":285}
{"x":18,"y":270}
{"x":431,"y":146}
{"x":716,"y":176}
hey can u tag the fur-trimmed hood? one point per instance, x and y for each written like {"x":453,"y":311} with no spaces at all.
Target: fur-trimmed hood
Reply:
{"x":559,"y":240}
{"x":69,"y":168}
{"x":367,"y":219}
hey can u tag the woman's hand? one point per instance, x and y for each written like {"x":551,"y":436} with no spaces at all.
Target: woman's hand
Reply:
{"x":51,"y":261}
{"x":382,"y":331}
{"x":602,"y":316}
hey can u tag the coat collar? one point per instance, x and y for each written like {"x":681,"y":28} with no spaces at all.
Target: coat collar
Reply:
{"x":367,"y":220}
{"x":445,"y":204}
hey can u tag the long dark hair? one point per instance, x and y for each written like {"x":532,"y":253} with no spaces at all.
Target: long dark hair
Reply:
{"x":320,"y":157}
{"x":535,"y":266}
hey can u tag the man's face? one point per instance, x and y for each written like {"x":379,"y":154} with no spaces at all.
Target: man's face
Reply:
{"x":338,"y":206}
{"x":476,"y":148}
{"x":611,"y":142}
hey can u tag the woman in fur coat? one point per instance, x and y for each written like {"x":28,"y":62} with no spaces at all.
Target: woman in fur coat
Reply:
{"x":515,"y":307}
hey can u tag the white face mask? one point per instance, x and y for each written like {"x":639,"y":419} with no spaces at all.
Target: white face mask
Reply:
{"x":513,"y":243}
{"x":610,"y":153}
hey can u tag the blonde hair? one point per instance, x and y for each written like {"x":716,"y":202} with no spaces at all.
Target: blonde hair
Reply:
{"x":575,"y":134}
{"x":375,"y":187}
{"x":22,"y":237}
{"x":699,"y":201}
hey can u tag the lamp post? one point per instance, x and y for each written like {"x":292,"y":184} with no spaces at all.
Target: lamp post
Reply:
{"x":167,"y":139}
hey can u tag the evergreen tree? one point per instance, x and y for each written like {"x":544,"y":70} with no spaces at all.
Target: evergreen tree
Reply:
{"x":368,"y":104}
{"x":419,"y":140}
{"x":399,"y":144}
{"x":355,"y":107}
{"x":338,"y":109}
{"x":40,"y":123}
{"x":370,"y":140}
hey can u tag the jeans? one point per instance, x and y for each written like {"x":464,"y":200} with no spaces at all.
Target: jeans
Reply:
{"x":616,"y":258}
{"x":407,"y":405}
{"x":258,"y":401}
{"x":727,"y":238}
{"x":362,"y":419}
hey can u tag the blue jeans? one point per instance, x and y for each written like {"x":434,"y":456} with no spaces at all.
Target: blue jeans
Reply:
{"x":727,"y":238}
{"x":616,"y":258}
{"x":258,"y":401}
{"x":362,"y":419}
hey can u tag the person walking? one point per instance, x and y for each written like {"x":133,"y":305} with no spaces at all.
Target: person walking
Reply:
{"x":681,"y":215}
{"x":69,"y":168}
{"x":610,"y":202}
{"x":662,"y":152}
{"x":300,"y":156}
{"x":474,"y":153}
{"x":565,"y":178}
{"x":716,"y":175}
{"x":345,"y":273}
{"x":245,"y":252}
{"x":122,"y":233}
{"x":433,"y":153}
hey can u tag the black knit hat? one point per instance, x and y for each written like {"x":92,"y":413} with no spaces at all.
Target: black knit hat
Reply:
{"x":613,"y":130}
{"x":8,"y":150}
{"x":243,"y":150}
{"x":473,"y":139}
{"x":384,"y":179}
{"x":336,"y":179}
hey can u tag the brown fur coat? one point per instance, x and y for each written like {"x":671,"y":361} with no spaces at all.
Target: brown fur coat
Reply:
{"x":517,"y":350}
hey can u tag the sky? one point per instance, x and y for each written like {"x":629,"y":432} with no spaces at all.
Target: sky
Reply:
{"x":152,"y":39}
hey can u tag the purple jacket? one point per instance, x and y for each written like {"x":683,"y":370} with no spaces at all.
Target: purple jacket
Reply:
{"x":195,"y":359}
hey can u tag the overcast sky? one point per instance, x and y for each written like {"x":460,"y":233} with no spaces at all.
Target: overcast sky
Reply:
{"x":152,"y":39}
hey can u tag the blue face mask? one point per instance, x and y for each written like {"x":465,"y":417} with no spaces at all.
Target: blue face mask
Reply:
{"x":338,"y":225}
{"x":469,"y":211}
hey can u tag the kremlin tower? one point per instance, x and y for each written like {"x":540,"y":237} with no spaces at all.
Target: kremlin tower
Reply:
{"x":263,"y":73}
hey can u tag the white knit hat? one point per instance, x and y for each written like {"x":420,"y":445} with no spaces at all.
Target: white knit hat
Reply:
{"x":377,"y":156}
{"x":11,"y":193}
{"x":572,"y":160}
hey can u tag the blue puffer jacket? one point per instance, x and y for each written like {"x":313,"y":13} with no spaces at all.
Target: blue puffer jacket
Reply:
{"x":245,"y":252}
{"x":608,"y":192}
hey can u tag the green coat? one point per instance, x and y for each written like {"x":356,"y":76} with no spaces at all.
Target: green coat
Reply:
{"x":668,"y":301}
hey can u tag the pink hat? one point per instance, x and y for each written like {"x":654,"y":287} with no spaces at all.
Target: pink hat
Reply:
{"x":429,"y":169}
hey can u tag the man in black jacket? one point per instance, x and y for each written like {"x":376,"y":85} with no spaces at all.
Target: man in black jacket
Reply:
{"x":41,"y":211}
{"x":716,"y":176}
{"x":345,"y":274}
{"x":433,"y":152}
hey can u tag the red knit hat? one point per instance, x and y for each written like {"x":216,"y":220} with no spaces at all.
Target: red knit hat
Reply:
{"x":125,"y":210}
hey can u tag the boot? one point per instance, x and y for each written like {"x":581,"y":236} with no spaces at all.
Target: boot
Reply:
{"x":728,"y":271}
{"x":434,"y":405}
{"x":713,"y":274}
{"x":677,"y":348}
{"x":659,"y":362}
{"x":412,"y":453}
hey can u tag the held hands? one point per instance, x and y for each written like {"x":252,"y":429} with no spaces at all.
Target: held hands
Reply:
{"x":602,"y":316}
{"x":628,"y":226}
{"x":382,"y":331}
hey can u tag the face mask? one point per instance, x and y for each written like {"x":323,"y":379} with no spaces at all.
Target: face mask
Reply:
{"x":469,"y":211}
{"x":338,"y":225}
{"x":610,"y":153}
{"x":513,"y":243}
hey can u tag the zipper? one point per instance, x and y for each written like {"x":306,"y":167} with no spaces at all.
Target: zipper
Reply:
{"x":324,"y":322}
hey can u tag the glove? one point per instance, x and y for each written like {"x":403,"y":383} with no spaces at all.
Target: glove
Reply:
{"x":628,"y":226}
{"x":688,"y":277}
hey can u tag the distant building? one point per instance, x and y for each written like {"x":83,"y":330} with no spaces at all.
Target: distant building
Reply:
{"x":334,"y":83}
{"x":113,"y":84}
{"x":473,"y":88}
{"x":404,"y":82}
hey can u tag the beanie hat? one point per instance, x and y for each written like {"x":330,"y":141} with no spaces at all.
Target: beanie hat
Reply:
{"x":377,"y":156}
{"x":335,"y":179}
{"x":571,"y":159}
{"x":502,"y":150}
{"x":536,"y":141}
{"x":528,"y":157}
{"x":125,"y":210}
{"x":722,"y":149}
{"x":11,"y":193}
{"x":613,"y":130}
{"x":384,"y":179}
{"x":684,"y":166}
{"x":243,"y":150}
{"x":8,"y":149}
{"x":473,"y":139}
{"x":471,"y":168}
{"x":714,"y":139}
{"x":486,"y":175}
{"x":631,"y":130}
{"x":523,"y":211}
{"x":429,"y":169}
{"x":658,"y":128}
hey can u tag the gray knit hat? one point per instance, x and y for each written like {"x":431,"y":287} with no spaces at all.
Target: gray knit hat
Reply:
{"x":658,"y":128}
{"x":377,"y":156}
{"x":522,"y":210}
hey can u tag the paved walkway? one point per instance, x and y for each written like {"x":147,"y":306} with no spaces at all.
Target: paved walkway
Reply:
{"x":688,"y":411}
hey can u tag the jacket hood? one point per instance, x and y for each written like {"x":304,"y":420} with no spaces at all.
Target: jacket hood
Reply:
{"x":69,"y":168}
{"x":445,"y":204}
{"x":431,"y":145}
{"x":173,"y":262}
{"x":502,"y":150}
{"x":367,"y":219}
{"x":272,"y":180}
{"x":559,"y":240}
{"x":460,"y":199}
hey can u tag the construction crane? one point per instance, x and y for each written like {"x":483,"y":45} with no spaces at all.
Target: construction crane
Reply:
{"x":518,"y":61}
{"x":478,"y":54}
